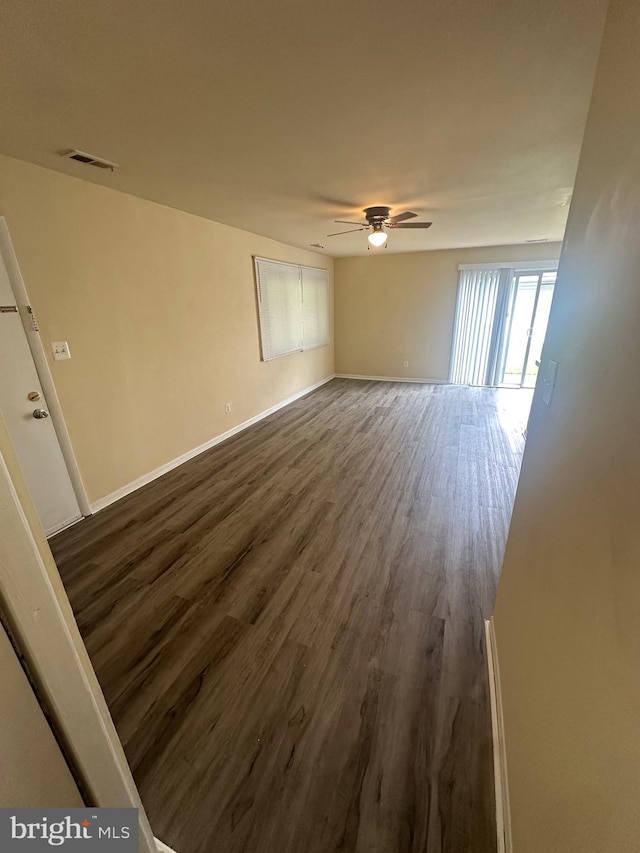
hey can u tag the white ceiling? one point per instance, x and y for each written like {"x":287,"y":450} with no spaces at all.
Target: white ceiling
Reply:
{"x":279,"y":116}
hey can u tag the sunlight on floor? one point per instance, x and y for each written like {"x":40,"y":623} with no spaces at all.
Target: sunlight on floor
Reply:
{"x":514,"y":405}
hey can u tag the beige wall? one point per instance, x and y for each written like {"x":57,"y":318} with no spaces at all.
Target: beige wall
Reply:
{"x":158,"y":307}
{"x":395,"y":308}
{"x":568,"y":613}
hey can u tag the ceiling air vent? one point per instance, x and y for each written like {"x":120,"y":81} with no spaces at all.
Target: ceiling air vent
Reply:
{"x":89,"y":159}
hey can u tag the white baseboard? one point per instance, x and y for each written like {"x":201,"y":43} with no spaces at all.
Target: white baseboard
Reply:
{"x":392,"y":379}
{"x":162,"y":848}
{"x":503,"y":814}
{"x":51,"y":531}
{"x":101,"y":503}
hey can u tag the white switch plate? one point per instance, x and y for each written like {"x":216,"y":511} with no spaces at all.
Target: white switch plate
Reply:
{"x":549,"y":382}
{"x":60,"y":350}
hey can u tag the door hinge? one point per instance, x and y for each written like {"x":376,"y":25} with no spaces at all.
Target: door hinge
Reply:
{"x":32,"y":319}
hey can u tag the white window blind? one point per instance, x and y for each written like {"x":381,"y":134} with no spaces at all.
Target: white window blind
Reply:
{"x":279,"y":308}
{"x":315,"y":308}
{"x":293,"y":307}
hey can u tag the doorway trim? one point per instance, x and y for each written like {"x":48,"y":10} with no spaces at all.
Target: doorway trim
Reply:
{"x":42,"y":626}
{"x":42,"y":366}
{"x":501,"y":784}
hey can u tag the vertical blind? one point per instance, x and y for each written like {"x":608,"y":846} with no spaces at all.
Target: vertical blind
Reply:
{"x":293,"y":307}
{"x":483,"y":295}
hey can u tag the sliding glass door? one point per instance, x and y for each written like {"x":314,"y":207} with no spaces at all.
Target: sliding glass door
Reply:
{"x":526,"y":324}
{"x":501,"y":322}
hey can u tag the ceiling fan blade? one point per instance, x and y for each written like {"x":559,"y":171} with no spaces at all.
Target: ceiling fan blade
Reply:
{"x":337,"y":233}
{"x":346,"y":222}
{"x":393,"y":220}
{"x":412,"y":225}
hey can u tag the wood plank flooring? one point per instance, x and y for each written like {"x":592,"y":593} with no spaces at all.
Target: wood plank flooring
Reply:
{"x":288,"y":629}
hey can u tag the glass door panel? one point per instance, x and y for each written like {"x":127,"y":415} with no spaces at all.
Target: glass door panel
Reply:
{"x":526,"y":324}
{"x":539,"y":329}
{"x":520,"y":319}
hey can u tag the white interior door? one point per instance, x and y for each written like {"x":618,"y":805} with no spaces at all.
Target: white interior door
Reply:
{"x":25,"y":411}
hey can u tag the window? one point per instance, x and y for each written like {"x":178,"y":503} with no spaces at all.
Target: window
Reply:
{"x":293,"y":306}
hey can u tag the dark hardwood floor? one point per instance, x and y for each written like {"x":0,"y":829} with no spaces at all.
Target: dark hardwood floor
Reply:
{"x":289,"y":628}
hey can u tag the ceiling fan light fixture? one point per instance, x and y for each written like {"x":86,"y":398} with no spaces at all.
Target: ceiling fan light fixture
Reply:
{"x":378,"y":218}
{"x":377,"y":238}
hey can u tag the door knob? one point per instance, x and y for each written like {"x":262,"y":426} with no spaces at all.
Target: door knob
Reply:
{"x":38,"y":414}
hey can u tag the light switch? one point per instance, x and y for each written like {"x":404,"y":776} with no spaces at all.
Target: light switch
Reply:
{"x":549,"y":382}
{"x":60,"y":350}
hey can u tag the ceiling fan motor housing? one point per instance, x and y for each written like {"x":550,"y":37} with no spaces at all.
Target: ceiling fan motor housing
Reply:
{"x":377,"y":215}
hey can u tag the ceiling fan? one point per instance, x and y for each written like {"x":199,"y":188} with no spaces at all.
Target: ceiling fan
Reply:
{"x":378,"y":220}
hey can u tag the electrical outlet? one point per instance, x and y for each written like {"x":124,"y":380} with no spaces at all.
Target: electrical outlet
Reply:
{"x":61,"y":350}
{"x":405,"y":363}
{"x":227,"y":408}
